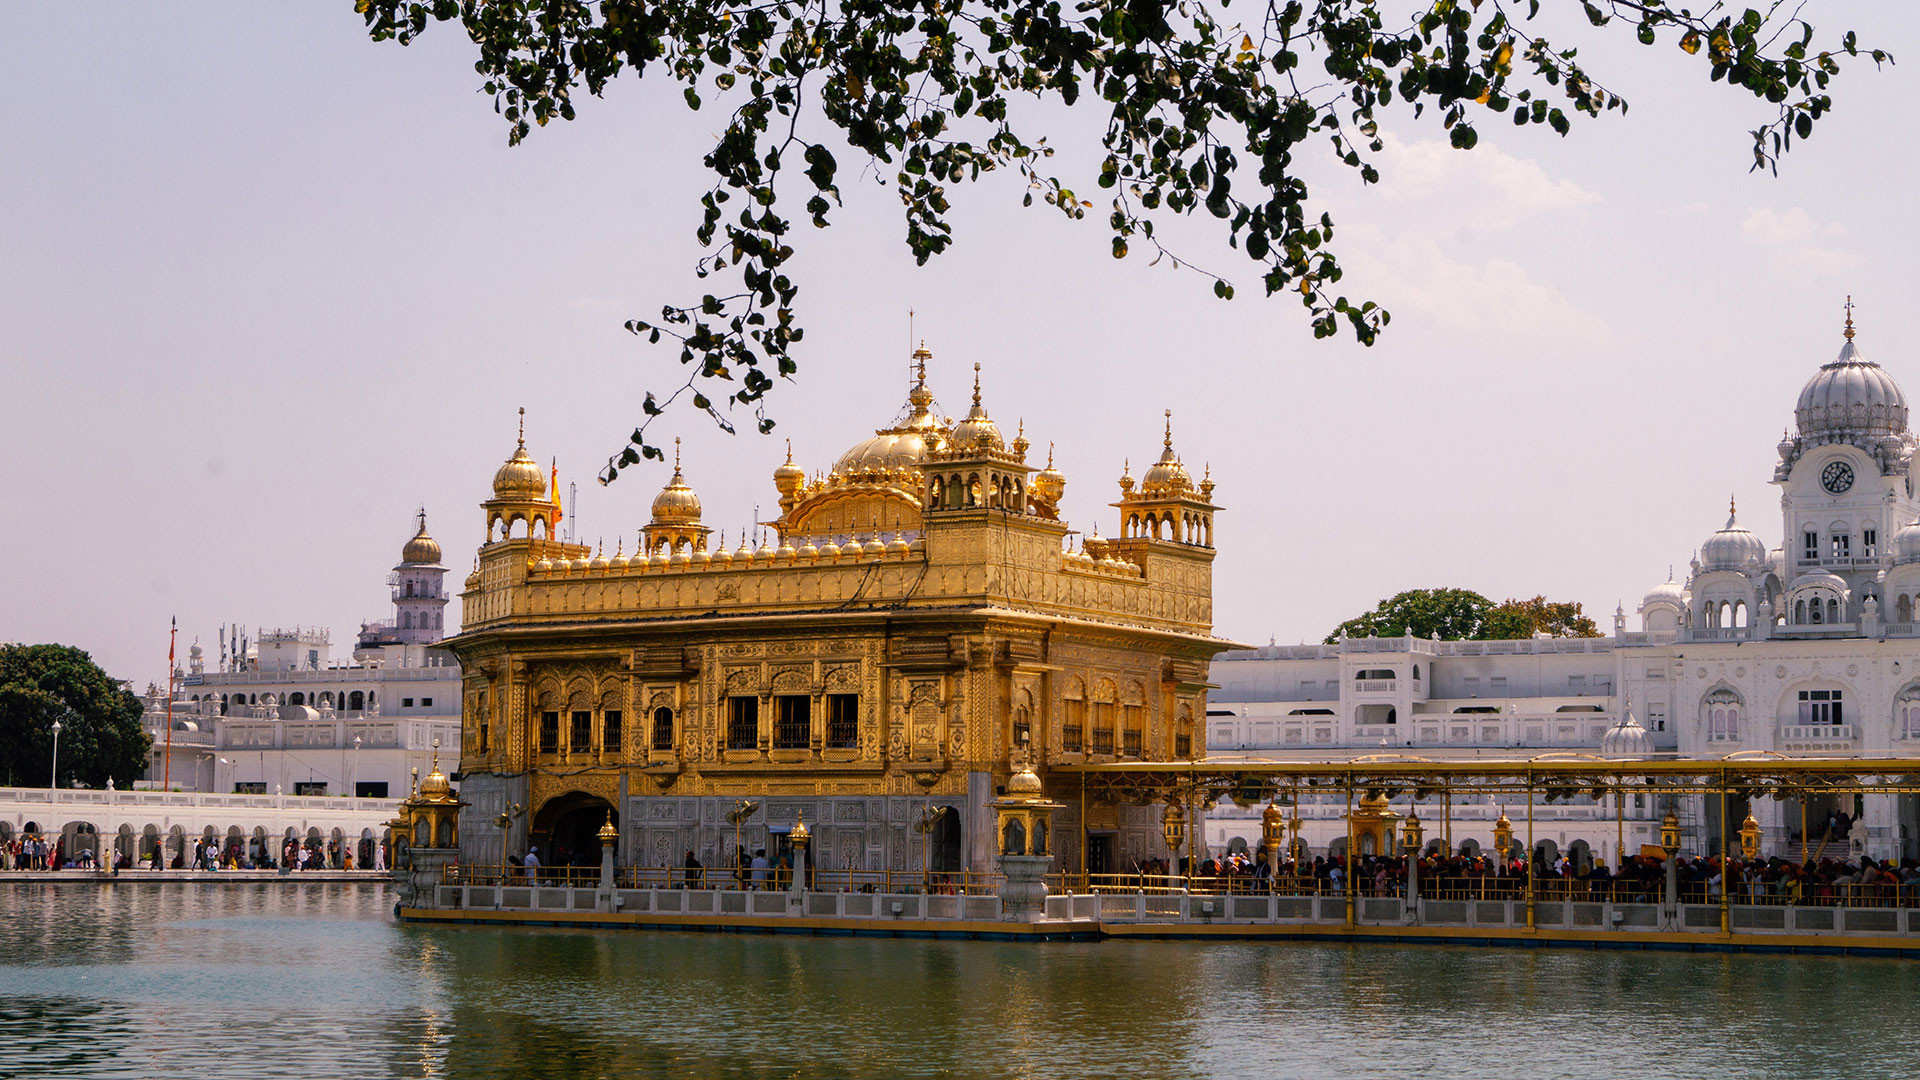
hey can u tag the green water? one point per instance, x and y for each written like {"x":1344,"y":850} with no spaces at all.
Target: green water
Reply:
{"x":281,"y":980}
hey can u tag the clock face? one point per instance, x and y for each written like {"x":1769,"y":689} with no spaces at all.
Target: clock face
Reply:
{"x":1837,"y":477}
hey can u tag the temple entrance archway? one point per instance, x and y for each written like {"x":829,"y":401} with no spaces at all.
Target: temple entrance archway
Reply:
{"x":944,"y":852}
{"x":566,"y":829}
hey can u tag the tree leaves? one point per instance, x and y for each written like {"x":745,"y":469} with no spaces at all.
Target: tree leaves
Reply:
{"x":1465,"y":615}
{"x":100,"y":732}
{"x":1199,"y":113}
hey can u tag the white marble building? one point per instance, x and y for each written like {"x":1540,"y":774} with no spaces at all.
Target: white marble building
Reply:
{"x":1805,"y":648}
{"x":279,"y":715}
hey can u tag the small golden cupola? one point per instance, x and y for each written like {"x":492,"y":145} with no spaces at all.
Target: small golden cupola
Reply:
{"x":675,"y":527}
{"x":875,"y":485}
{"x":1166,"y":506}
{"x":790,"y":480}
{"x":519,"y":494}
{"x":1169,"y":475}
{"x":977,"y":431}
{"x":1048,"y":487}
{"x":976,"y":471}
{"x":422,"y":548}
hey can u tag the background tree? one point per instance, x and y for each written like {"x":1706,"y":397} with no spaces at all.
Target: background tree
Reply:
{"x":100,"y":732}
{"x":1201,"y":111}
{"x":1453,"y":614}
{"x":1525,"y":618}
{"x":1465,"y":615}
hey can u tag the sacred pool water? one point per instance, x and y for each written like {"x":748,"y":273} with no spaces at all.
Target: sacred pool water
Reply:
{"x":283,"y":980}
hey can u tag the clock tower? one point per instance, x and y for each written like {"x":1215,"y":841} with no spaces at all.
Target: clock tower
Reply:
{"x":1846,"y":485}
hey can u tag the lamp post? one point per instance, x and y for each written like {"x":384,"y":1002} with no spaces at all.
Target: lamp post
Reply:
{"x":1750,"y":838}
{"x":1411,"y":835}
{"x":353,"y":773}
{"x":1173,"y":828}
{"x":799,"y":837}
{"x":1272,"y":833}
{"x":54,"y":780}
{"x":1670,"y":843}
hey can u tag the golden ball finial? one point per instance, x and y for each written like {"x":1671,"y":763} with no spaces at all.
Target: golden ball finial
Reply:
{"x":1849,"y":307}
{"x":608,"y":834}
{"x":800,"y":834}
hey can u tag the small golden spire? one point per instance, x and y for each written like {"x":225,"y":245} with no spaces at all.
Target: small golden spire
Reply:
{"x":523,"y":427}
{"x":1849,"y":307}
{"x":1169,"y":442}
{"x":1730,"y":510}
{"x":676,"y":455}
{"x":976,"y":382}
{"x":1049,"y":454}
{"x":789,"y":451}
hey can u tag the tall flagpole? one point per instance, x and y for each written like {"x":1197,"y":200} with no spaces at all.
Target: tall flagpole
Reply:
{"x":166,"y":771}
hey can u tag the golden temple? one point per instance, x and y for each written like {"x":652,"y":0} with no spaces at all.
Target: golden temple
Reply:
{"x":913,"y":628}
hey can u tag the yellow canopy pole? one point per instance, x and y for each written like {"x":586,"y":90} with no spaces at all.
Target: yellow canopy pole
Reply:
{"x":1530,"y":925}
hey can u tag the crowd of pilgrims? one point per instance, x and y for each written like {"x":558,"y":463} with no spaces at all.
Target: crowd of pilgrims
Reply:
{"x":1826,"y":881}
{"x":39,"y":852}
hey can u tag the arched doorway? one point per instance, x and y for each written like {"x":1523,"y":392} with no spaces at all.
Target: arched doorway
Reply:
{"x":944,"y":852}
{"x":566,"y":829}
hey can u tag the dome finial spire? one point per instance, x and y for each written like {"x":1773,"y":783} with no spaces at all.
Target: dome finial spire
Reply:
{"x":1849,"y":308}
{"x":1730,"y":509}
{"x":976,"y":382}
{"x":1169,"y":439}
{"x":523,"y":427}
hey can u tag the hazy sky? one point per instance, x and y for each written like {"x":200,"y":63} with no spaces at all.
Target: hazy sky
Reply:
{"x":267,"y":286}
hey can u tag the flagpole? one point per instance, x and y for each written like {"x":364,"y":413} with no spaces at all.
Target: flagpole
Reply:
{"x":166,"y":772}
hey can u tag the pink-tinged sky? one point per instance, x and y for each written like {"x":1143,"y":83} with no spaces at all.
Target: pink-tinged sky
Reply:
{"x":267,"y":286}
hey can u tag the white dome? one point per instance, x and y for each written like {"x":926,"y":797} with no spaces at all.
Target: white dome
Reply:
{"x":1850,"y":398}
{"x":1826,"y":578}
{"x":1626,"y":739}
{"x":1906,"y":544}
{"x":1732,"y":548}
{"x":1667,"y":592}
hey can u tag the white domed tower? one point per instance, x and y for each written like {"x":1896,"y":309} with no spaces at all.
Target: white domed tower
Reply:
{"x":419,"y":592}
{"x":1845,"y":482}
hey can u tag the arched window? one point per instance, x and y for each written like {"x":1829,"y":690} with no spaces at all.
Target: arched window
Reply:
{"x":356,"y":701}
{"x":1903,"y":608}
{"x":1723,"y":715}
{"x":663,"y":728}
{"x":1799,"y":612}
{"x":1906,"y":714}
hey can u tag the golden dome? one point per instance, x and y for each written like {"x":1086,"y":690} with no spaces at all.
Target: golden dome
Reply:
{"x":789,"y":478}
{"x":899,"y":448}
{"x":609,"y":835}
{"x":1167,"y":476}
{"x":1024,"y":782}
{"x":435,"y":786}
{"x":1271,"y":815}
{"x":1050,"y":483}
{"x":422,"y":548}
{"x":800,"y":834}
{"x":677,"y":504}
{"x":520,"y":477}
{"x":977,"y":432}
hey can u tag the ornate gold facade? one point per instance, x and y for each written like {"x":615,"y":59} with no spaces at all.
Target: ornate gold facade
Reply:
{"x":913,"y":624}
